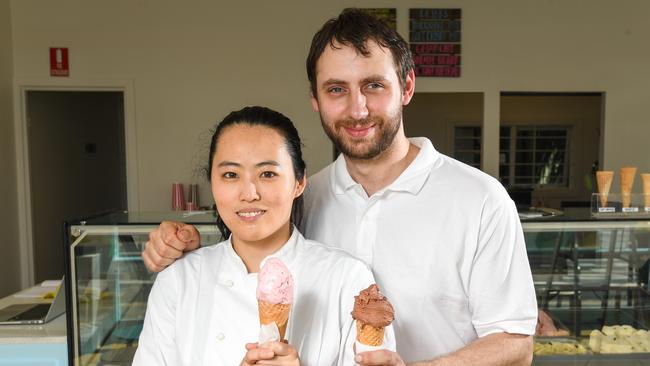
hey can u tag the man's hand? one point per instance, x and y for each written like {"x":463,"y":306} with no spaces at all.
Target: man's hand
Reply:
{"x":167,"y":243}
{"x":271,"y":353}
{"x":382,"y":357}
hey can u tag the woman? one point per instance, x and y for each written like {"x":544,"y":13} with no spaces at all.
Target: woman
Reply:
{"x":203,"y":308}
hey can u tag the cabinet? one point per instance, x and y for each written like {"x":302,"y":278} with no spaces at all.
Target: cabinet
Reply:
{"x":33,"y":344}
{"x":591,"y":278}
{"x":108,"y":285}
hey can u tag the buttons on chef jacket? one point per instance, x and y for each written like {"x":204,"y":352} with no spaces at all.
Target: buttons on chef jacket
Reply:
{"x":226,"y":282}
{"x":221,"y":337}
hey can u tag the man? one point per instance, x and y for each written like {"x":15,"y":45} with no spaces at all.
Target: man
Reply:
{"x":443,"y":239}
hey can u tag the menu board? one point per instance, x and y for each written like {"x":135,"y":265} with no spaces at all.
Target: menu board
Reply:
{"x":435,"y":36}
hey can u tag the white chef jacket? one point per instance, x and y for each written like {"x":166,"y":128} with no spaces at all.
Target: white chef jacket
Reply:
{"x":444,"y":242}
{"x":202,"y":309}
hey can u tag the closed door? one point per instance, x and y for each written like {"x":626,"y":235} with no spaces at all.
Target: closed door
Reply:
{"x":77,"y":166}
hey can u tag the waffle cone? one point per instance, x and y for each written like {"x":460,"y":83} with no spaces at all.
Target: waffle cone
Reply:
{"x":645,"y":178}
{"x":627,"y":181}
{"x":278,"y":313}
{"x":604,"y":181}
{"x":369,"y":335}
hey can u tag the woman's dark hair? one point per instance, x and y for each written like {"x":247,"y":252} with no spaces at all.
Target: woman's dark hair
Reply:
{"x":262,"y":116}
{"x":354,"y":27}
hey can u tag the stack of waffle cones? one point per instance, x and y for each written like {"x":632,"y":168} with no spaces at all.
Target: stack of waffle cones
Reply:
{"x":645,"y":178}
{"x":627,"y":181}
{"x":274,"y":313}
{"x":604,"y":181}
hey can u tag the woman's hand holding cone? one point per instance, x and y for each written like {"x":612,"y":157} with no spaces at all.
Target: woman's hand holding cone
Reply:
{"x":271,"y":353}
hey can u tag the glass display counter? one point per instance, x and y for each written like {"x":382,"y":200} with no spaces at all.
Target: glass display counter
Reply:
{"x":108,"y":284}
{"x":590,"y":275}
{"x":591,"y":280}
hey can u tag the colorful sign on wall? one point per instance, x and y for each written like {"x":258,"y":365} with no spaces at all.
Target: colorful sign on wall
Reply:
{"x":435,"y":37}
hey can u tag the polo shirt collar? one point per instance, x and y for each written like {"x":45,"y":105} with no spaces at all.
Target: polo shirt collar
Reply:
{"x":411,"y":180}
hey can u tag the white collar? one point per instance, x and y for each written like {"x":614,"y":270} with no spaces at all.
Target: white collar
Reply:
{"x":287,"y":253}
{"x":411,"y":180}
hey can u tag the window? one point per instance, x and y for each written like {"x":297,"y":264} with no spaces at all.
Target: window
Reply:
{"x":467,"y":145}
{"x":529,"y":155}
{"x":533,"y":156}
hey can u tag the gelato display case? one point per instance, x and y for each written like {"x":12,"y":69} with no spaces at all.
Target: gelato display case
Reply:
{"x":108,"y":284}
{"x":590,"y":274}
{"x":591,"y":280}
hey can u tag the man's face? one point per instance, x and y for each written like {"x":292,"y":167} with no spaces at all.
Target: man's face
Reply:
{"x":359,"y":99}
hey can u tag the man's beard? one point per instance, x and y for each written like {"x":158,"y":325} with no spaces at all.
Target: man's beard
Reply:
{"x":363,"y":149}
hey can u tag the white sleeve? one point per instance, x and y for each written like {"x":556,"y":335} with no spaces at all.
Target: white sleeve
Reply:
{"x":501,"y":292}
{"x":157,"y":344}
{"x":358,"y":279}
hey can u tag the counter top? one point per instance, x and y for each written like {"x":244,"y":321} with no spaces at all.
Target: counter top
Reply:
{"x":51,"y":332}
{"x":576,"y":214}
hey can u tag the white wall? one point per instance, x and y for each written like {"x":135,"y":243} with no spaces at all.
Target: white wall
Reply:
{"x":191,"y":64}
{"x":187,"y":64}
{"x":10,"y":258}
{"x":435,"y":115}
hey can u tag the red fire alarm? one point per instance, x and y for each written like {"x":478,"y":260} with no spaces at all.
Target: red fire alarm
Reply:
{"x":59,"y":62}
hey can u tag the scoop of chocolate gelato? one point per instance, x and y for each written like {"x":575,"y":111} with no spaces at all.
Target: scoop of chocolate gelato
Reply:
{"x":371,"y":307}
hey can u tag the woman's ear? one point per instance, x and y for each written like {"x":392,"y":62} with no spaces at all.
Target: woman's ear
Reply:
{"x":300,"y":186}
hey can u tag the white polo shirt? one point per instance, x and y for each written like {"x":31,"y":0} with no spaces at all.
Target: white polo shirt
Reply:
{"x":202,"y":310}
{"x":444,"y":242}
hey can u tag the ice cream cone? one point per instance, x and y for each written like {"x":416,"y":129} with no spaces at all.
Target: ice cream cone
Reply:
{"x":627,"y":181}
{"x":372,"y":312}
{"x":278,"y":313}
{"x":645,"y":178}
{"x":369,"y":335}
{"x":274,"y":298}
{"x":604,"y":181}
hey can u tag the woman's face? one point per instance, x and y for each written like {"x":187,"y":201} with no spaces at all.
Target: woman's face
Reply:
{"x":253,"y":183}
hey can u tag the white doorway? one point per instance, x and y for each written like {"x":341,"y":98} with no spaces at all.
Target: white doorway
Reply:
{"x":74,"y":158}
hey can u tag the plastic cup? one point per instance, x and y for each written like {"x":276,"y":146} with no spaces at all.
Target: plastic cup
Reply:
{"x":178,"y":197}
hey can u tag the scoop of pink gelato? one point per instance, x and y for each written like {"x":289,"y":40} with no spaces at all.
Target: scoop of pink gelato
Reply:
{"x":275,"y":283}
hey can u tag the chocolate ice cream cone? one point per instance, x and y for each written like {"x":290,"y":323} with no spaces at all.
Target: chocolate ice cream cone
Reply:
{"x":373,"y":312}
{"x":274,"y":313}
{"x":645,"y":178}
{"x":369,"y":335}
{"x":627,"y":181}
{"x":604,"y":181}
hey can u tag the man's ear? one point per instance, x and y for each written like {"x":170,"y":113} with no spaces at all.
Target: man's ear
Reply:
{"x":314,"y":102}
{"x":409,"y":87}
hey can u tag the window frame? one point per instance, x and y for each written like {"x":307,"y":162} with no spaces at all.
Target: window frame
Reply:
{"x":513,"y":150}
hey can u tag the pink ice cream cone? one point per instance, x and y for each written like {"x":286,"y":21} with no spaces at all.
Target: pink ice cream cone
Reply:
{"x":274,"y":294}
